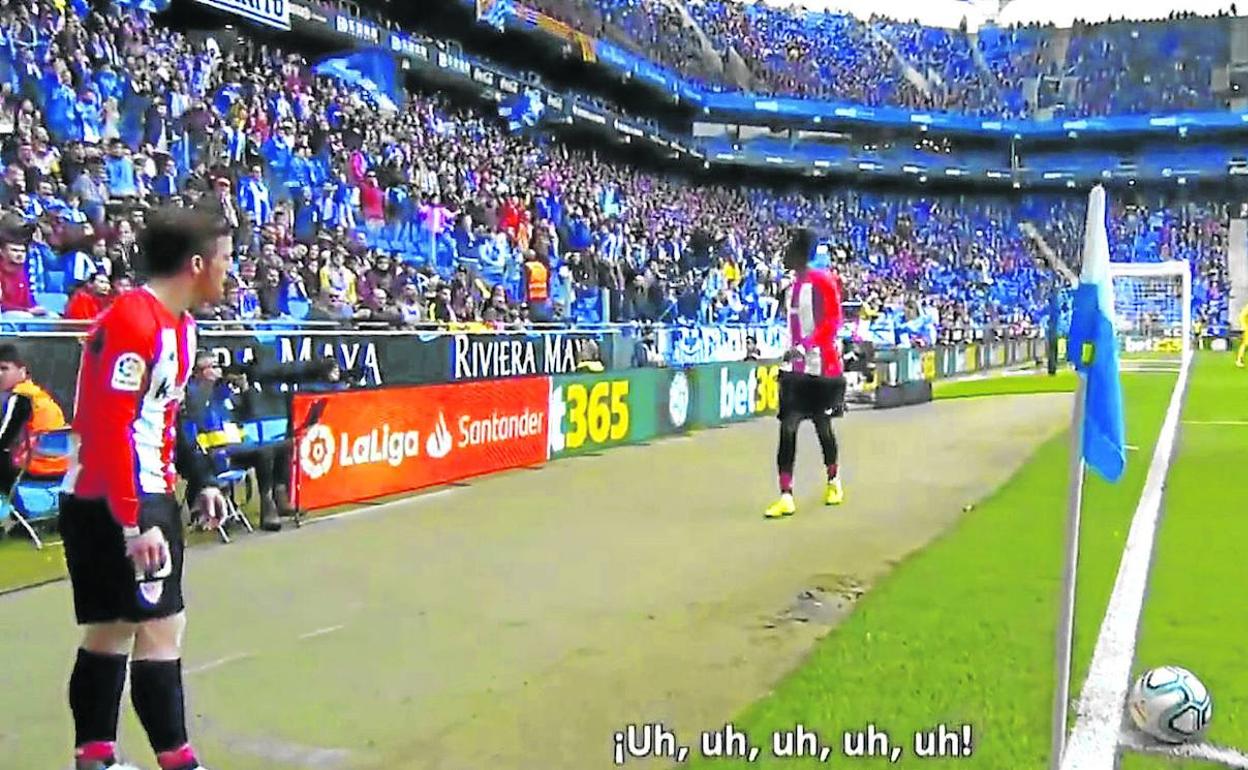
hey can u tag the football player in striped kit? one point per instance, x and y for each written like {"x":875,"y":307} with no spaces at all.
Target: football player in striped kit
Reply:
{"x":812,"y":377}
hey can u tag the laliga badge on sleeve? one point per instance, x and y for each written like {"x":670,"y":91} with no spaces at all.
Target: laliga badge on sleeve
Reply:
{"x":128,"y":373}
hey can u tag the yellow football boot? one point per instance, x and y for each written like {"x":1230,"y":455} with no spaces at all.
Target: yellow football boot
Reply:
{"x":782,"y":507}
{"x":835,"y":494}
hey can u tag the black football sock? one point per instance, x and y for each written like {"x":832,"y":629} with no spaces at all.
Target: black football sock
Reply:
{"x":95,"y":689}
{"x":156,"y":690}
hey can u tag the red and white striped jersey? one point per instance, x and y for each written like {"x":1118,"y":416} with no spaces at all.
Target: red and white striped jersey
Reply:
{"x":135,"y":366}
{"x":815,"y":321}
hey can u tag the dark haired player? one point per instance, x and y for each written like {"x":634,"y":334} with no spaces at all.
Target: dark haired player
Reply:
{"x":812,"y":381}
{"x":121,"y":525}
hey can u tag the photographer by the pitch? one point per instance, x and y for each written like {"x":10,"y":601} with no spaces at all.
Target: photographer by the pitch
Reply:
{"x":211,"y":407}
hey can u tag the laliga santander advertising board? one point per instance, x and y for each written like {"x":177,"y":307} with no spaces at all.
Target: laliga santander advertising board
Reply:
{"x":370,"y":443}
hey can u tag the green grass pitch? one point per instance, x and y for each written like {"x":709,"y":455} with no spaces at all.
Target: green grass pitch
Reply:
{"x":1196,"y":614}
{"x":962,"y":633}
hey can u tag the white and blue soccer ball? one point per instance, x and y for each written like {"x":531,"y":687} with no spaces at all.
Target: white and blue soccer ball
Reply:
{"x":1171,"y":704}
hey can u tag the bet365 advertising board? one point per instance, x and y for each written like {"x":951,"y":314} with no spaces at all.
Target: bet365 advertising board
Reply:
{"x":591,"y":412}
{"x":370,"y":443}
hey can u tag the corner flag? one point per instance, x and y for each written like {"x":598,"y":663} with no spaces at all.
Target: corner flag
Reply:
{"x":1098,"y":438}
{"x":1093,"y":349}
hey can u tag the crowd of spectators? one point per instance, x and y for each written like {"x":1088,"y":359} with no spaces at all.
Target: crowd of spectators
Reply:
{"x":439,"y":215}
{"x":1122,"y":67}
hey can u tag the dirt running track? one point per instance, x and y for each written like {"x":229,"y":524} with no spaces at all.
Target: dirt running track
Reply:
{"x":514,"y":623}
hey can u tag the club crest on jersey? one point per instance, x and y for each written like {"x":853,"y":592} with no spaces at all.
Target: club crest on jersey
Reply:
{"x":128,"y":373}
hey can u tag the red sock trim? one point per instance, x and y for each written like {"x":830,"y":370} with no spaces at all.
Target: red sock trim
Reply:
{"x":96,"y":751}
{"x":177,"y":759}
{"x":786,"y":483}
{"x":832,"y":472}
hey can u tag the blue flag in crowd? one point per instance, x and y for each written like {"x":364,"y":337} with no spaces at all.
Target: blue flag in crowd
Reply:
{"x":523,"y":110}
{"x":495,"y":12}
{"x":1093,"y":349}
{"x":373,"y":71}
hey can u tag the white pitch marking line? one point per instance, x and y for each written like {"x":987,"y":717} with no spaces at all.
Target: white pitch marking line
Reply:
{"x":218,"y":663}
{"x":380,"y":507}
{"x":1215,"y":422}
{"x":1093,"y":743}
{"x":322,"y":631}
{"x":1208,"y":752}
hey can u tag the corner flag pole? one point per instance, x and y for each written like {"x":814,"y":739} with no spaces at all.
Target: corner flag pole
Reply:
{"x":1066,"y":619}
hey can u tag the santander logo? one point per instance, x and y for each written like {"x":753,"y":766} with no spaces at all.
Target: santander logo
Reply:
{"x":439,"y":443}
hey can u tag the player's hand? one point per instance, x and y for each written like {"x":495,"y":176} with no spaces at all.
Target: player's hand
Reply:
{"x":149,"y":551}
{"x":211,"y":507}
{"x":794,"y":354}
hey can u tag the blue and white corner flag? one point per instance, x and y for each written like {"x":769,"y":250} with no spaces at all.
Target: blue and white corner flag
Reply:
{"x":1093,"y":349}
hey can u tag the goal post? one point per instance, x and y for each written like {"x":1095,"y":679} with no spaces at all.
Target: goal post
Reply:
{"x":1153,"y":313}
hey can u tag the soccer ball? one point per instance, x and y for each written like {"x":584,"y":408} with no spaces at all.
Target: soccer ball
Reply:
{"x":1170,"y":704}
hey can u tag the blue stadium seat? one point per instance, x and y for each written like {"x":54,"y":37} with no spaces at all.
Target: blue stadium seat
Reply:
{"x":54,"y":302}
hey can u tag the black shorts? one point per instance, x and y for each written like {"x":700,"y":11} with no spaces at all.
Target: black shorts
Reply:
{"x":805,"y":396}
{"x":105,"y":587}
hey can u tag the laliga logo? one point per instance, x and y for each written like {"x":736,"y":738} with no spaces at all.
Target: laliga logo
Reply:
{"x":316,"y":451}
{"x":439,"y":443}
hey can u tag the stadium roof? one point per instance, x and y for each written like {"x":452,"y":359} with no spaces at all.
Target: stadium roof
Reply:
{"x":1060,"y":13}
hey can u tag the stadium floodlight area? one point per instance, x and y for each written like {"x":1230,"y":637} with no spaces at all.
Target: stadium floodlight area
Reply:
{"x":1153,"y":313}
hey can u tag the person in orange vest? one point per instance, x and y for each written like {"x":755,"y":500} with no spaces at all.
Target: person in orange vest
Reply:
{"x":537,"y":287}
{"x":26,"y":410}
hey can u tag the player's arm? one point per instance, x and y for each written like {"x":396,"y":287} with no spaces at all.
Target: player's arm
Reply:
{"x":15,"y":411}
{"x":123,"y":347}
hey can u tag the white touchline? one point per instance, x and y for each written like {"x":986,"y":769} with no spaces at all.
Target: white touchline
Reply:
{"x":219,"y":662}
{"x":322,"y":631}
{"x":1093,"y":743}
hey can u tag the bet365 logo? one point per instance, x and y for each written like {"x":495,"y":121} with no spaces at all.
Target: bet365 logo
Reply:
{"x":596,"y":415}
{"x":757,"y":393}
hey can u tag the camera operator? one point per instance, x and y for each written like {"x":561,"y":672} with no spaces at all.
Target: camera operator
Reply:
{"x":211,"y":408}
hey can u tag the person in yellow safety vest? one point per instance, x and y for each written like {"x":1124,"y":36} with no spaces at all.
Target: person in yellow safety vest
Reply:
{"x":537,"y":287}
{"x":26,"y":410}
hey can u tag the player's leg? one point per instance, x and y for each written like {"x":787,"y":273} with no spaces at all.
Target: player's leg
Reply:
{"x":1243,"y":348}
{"x":102,"y":581}
{"x":835,"y":493}
{"x":156,"y":667}
{"x":157,"y":694}
{"x":786,"y":456}
{"x":831,"y":404}
{"x":95,"y":689}
{"x":790,"y":415}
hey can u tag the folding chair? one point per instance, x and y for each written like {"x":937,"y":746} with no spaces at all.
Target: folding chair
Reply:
{"x":229,"y":480}
{"x":35,"y":500}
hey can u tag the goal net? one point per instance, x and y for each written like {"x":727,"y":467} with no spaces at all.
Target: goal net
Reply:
{"x":1153,"y":314}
